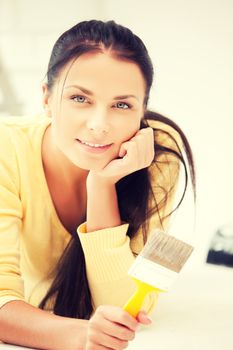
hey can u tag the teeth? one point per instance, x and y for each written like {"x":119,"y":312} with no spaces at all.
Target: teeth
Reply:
{"x":92,"y":144}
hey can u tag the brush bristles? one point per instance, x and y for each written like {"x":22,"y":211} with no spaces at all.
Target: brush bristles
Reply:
{"x":166,"y":250}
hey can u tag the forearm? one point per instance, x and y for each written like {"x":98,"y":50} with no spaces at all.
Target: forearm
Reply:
{"x":102,"y":205}
{"x":25,"y":325}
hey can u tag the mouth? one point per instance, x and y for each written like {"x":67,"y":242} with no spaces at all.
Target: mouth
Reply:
{"x":94,"y":147}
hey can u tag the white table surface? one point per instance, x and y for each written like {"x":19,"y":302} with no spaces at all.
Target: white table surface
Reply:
{"x":196,"y":314}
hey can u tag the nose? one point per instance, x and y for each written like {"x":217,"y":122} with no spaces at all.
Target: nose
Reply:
{"x":98,"y":122}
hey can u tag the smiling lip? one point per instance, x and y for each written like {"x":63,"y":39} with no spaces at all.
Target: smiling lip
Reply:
{"x":93,"y":147}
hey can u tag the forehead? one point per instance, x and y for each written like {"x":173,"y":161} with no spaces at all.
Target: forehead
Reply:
{"x":102,"y":70}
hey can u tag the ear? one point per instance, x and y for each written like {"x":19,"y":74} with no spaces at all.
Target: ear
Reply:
{"x":46,"y":100}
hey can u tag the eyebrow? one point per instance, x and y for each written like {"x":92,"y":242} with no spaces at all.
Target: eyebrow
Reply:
{"x":88,"y":92}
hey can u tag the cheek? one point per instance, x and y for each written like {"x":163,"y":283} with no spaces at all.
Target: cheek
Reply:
{"x":62,"y":134}
{"x":128,"y":130}
{"x":64,"y":128}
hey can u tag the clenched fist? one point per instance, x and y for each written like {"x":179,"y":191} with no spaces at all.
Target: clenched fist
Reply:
{"x":134,"y":154}
{"x":112,"y":328}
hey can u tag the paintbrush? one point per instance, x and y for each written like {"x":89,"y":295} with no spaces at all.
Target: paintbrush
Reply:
{"x":156,"y":267}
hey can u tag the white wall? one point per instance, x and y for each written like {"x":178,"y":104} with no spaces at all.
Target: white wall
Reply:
{"x":28,"y":31}
{"x":191,"y":45}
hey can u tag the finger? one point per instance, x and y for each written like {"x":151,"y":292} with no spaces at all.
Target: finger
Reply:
{"x":107,"y":341}
{"x":113,"y":343}
{"x":124,"y":148}
{"x":121,"y":332}
{"x":126,"y":144}
{"x":112,"y":328}
{"x":140,"y":153}
{"x":129,"y":149}
{"x":142,"y":132}
{"x":143,"y":318}
{"x":122,"y":151}
{"x":145,"y":131}
{"x":91,"y":346}
{"x":118,"y":315}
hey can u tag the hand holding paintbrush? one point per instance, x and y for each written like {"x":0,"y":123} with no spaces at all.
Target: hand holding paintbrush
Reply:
{"x":156,"y":267}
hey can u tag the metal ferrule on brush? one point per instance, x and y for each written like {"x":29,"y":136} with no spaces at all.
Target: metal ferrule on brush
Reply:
{"x":161,"y":260}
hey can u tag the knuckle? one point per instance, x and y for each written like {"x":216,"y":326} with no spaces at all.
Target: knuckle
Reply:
{"x":123,"y":334}
{"x":140,"y":136}
{"x":92,"y":321}
{"x":149,"y":130}
{"x":121,"y":344}
{"x":127,"y":335}
{"x":142,"y":131}
{"x":100,"y":309}
{"x":124,"y":316}
{"x":133,"y":143}
{"x":132,"y":336}
{"x":125,"y":344}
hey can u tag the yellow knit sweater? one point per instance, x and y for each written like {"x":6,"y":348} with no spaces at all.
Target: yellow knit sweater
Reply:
{"x":32,"y":238}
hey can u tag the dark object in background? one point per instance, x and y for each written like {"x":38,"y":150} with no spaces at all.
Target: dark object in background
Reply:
{"x":221,"y":247}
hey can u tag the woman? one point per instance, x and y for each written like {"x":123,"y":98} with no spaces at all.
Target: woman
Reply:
{"x":81,"y":188}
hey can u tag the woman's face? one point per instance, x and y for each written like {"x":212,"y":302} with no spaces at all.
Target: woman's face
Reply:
{"x":96,"y":104}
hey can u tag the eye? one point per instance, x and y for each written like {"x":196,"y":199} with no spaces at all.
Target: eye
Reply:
{"x":123,"y":105}
{"x":79,"y":99}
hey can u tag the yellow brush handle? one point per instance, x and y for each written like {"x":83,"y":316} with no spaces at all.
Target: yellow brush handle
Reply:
{"x":134,"y":304}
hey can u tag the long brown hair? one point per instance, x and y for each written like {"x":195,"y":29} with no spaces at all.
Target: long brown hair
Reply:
{"x":70,"y":291}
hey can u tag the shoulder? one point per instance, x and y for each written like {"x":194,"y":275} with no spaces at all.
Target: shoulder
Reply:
{"x":15,"y":122}
{"x":16,"y":134}
{"x":5,"y":139}
{"x":14,"y":129}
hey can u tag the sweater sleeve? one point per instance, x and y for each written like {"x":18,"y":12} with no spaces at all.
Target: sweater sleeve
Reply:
{"x":109,"y":252}
{"x":108,"y":257}
{"x":11,"y":283}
